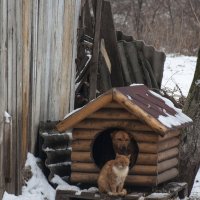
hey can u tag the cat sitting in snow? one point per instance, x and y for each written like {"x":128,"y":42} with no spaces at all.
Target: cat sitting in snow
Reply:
{"x":113,"y":174}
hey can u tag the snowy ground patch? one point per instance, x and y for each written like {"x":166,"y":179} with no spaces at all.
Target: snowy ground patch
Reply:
{"x":37,"y":187}
{"x":179,"y":70}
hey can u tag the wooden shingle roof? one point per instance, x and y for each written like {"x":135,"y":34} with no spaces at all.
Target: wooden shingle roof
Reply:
{"x":156,"y":111}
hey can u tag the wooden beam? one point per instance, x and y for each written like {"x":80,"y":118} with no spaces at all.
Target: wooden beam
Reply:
{"x":168,"y":144}
{"x":77,"y":177}
{"x":86,"y":157}
{"x":167,"y":175}
{"x":167,"y":164}
{"x":140,"y":180}
{"x":165,"y":155}
{"x":85,"y":145}
{"x":95,"y":53}
{"x":26,"y":77}
{"x":139,"y":136}
{"x":140,"y":113}
{"x":169,"y":135}
{"x":78,"y":116}
{"x":112,"y":114}
{"x":106,"y":123}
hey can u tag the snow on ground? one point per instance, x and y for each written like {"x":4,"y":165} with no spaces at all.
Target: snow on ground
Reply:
{"x":178,"y":70}
{"x":37,"y":187}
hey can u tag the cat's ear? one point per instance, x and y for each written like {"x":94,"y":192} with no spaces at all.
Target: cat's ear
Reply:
{"x":117,"y":155}
{"x":129,"y":156}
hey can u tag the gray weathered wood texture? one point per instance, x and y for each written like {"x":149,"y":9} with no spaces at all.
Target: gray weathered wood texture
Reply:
{"x":37,"y":53}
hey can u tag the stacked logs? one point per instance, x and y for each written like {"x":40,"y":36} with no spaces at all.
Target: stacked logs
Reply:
{"x":157,"y":159}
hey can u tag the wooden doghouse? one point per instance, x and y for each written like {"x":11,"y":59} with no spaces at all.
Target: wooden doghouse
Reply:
{"x":152,"y":120}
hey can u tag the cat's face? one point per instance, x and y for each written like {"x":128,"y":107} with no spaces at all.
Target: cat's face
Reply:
{"x":122,"y":161}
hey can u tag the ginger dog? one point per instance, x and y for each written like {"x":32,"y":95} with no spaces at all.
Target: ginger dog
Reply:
{"x":122,"y":144}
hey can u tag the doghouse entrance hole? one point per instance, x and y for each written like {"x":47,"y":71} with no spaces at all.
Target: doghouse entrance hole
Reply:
{"x":102,"y":148}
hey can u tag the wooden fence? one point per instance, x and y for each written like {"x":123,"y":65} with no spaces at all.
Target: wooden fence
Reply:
{"x":37,"y":53}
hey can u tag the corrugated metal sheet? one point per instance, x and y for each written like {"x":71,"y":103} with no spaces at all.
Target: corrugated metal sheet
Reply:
{"x":140,"y":63}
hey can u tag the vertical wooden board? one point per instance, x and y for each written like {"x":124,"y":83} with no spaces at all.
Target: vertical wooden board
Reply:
{"x":35,"y":81}
{"x":56,"y":55}
{"x":67,"y":57}
{"x":18,"y":93}
{"x":3,"y":84}
{"x":11,"y":94}
{"x":43,"y":57}
{"x":73,"y":68}
{"x":26,"y":30}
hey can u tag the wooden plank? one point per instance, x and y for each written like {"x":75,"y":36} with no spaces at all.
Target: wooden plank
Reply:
{"x":95,"y":52}
{"x":85,"y":133}
{"x":85,"y":145}
{"x":140,"y":113}
{"x":55,"y":68}
{"x":165,"y":155}
{"x":85,"y":111}
{"x":9,"y":99}
{"x":26,"y":22}
{"x":81,"y":157}
{"x":117,"y":114}
{"x":145,"y":136}
{"x":139,"y":136}
{"x":44,"y":54}
{"x":113,"y":104}
{"x":168,"y":144}
{"x":35,"y":80}
{"x":86,"y":157}
{"x":18,"y":93}
{"x":146,"y":159}
{"x":169,"y":135}
{"x":141,"y":180}
{"x":3,"y":86}
{"x":167,"y":175}
{"x":136,"y":170}
{"x":105,"y":123}
{"x":77,"y":177}
{"x":109,"y":35}
{"x":167,"y":164}
{"x":84,"y":167}
{"x":8,"y":152}
{"x":76,"y":11}
{"x":143,"y":170}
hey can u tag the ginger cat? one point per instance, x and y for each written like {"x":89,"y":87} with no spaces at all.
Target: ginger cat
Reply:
{"x":113,"y":174}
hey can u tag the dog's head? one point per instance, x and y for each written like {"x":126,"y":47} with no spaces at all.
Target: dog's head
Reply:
{"x":121,"y":141}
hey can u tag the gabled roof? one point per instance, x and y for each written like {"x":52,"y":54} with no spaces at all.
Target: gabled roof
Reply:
{"x":156,"y":111}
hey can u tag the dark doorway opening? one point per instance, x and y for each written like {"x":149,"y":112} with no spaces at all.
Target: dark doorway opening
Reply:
{"x":102,"y":148}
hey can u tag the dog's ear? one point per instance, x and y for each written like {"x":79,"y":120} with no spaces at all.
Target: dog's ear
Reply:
{"x":113,"y":134}
{"x":129,"y":156}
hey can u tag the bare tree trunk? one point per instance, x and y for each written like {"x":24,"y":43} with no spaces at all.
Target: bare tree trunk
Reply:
{"x":190,"y":146}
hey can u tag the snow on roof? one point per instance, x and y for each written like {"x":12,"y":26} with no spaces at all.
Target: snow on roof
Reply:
{"x":155,"y":105}
{"x":172,"y":120}
{"x":158,"y":112}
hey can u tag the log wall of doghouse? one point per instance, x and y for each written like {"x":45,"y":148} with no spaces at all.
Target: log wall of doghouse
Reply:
{"x":157,"y":159}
